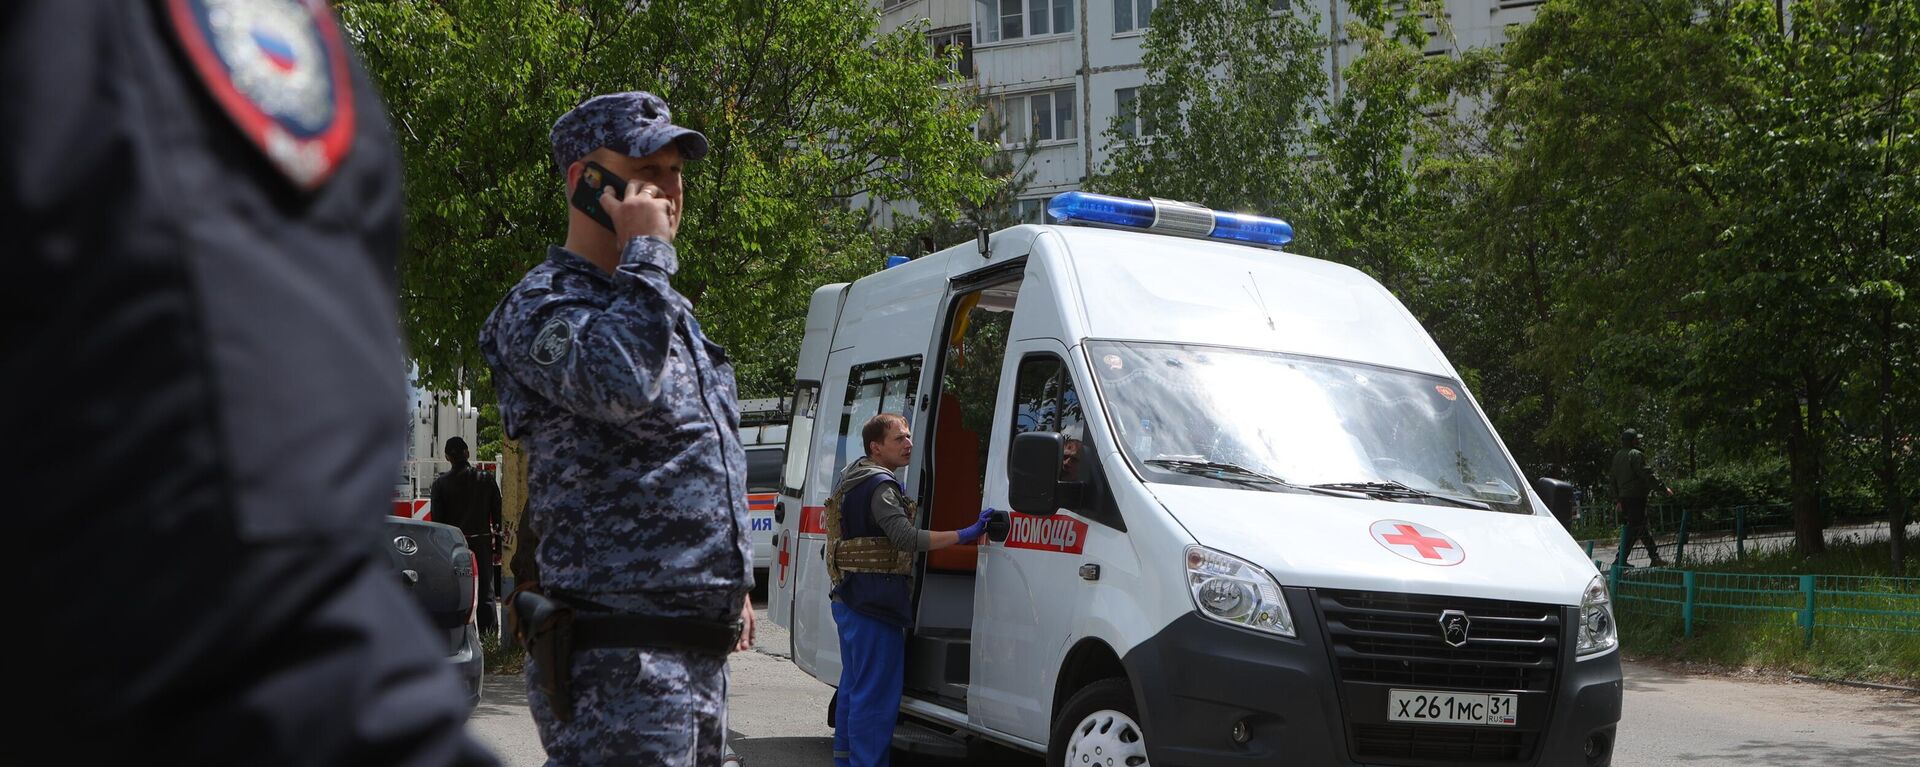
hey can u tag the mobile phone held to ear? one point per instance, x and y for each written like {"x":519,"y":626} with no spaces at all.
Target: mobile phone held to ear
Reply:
{"x":586,"y":194}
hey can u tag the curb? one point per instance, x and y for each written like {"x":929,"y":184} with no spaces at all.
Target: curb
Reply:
{"x":1851,"y":683}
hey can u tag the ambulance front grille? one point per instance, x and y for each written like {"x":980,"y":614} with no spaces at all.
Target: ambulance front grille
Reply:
{"x":1395,"y":639}
{"x":1382,"y":641}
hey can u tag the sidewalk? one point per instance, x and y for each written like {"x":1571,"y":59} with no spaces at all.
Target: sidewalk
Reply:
{"x":1719,"y":544}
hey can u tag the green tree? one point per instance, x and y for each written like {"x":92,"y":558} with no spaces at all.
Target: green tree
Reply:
{"x":807,"y":108}
{"x":1828,"y":155}
{"x":1232,"y":87}
{"x":1725,"y":197}
{"x":1009,"y":172}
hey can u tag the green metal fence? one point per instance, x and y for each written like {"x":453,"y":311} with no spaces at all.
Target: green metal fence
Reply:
{"x":1811,"y":602}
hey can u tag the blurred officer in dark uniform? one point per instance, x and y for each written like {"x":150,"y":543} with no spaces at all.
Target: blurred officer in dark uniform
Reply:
{"x":636,"y":486}
{"x":467,"y":498}
{"x":203,"y":393}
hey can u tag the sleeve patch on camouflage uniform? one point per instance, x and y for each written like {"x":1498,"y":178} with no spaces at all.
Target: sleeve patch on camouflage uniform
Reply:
{"x":553,"y":343}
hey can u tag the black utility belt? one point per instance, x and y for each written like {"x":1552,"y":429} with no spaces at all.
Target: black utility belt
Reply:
{"x":552,"y":630}
{"x":591,"y":632}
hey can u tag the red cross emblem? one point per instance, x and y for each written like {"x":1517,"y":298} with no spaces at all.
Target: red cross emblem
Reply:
{"x":1418,"y":542}
{"x":784,"y":558}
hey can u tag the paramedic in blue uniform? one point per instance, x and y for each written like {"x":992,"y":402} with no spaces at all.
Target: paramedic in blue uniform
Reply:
{"x":637,"y":480}
{"x":203,"y":393}
{"x":872,"y":556}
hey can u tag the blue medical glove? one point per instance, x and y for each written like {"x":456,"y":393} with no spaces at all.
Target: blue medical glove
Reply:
{"x":972,"y":532}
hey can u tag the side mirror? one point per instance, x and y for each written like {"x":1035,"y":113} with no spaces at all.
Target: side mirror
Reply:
{"x":780,"y":513}
{"x":1033,"y":472}
{"x":1559,"y":498}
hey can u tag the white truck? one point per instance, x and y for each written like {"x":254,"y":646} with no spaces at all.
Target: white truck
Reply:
{"x":1256,"y":517}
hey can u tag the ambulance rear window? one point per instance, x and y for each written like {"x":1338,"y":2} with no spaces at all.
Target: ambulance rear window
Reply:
{"x":763,"y":469}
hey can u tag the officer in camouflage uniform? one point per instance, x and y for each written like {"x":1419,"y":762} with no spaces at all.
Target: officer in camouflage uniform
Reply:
{"x":636,"y":483}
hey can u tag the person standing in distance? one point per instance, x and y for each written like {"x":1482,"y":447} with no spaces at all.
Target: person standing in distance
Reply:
{"x":199,"y":338}
{"x":467,"y":498}
{"x":636,"y":476}
{"x":873,"y":535}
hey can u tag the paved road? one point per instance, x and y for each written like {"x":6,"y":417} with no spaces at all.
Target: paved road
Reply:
{"x":1671,"y":719}
{"x":1677,"y":719}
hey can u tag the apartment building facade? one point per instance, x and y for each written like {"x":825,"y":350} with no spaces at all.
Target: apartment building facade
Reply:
{"x":1060,"y":71}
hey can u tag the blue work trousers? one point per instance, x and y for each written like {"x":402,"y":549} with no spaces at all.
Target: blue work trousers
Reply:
{"x":872,"y":673}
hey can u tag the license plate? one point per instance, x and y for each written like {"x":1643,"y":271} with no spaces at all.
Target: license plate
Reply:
{"x":1432,"y":707}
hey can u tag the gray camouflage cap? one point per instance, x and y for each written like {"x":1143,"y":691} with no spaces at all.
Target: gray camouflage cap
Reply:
{"x":635,"y":123}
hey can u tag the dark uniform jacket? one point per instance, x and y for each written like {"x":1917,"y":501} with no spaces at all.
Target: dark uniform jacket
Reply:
{"x":468,"y":499}
{"x":637,"y":479}
{"x":200,"y":387}
{"x":1632,"y":478}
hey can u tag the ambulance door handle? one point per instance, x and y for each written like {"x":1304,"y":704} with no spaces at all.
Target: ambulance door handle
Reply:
{"x":997,"y":526}
{"x":780,"y":513}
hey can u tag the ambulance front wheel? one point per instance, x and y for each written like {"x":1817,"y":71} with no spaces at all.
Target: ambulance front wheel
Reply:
{"x":1099,"y":727}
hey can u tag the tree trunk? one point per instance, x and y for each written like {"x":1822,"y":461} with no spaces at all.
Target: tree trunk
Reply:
{"x":513,"y":495}
{"x":1804,"y":477}
{"x":1889,"y":470}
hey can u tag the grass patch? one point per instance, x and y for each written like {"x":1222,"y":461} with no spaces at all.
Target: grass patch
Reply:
{"x":504,"y":656}
{"x":1846,"y":645}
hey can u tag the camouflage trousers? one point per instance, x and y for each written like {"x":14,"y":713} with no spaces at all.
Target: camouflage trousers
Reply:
{"x":634,"y":706}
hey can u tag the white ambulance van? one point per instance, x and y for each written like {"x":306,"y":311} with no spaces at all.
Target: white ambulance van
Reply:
{"x":763,"y":432}
{"x":1256,"y":516}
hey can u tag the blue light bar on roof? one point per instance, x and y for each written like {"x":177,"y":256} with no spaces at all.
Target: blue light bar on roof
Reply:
{"x":1169,"y":217}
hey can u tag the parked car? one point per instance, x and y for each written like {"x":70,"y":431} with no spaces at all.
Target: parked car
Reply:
{"x":435,"y":566}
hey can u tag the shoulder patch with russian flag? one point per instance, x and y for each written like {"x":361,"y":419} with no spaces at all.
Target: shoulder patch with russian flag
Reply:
{"x":279,"y":69}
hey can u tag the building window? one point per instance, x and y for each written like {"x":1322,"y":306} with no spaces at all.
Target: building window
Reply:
{"x":1036,"y":116}
{"x":944,"y":39}
{"x":1131,"y":123}
{"x":1014,"y":19}
{"x":1129,"y":15}
{"x":1278,"y":6}
{"x":1033,"y":211}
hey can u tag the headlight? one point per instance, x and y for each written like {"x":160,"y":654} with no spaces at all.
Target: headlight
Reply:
{"x":1232,"y":590}
{"x":1597,"y":632}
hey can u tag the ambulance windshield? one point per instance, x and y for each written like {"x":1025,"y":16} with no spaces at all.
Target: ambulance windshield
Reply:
{"x":1236,"y":417}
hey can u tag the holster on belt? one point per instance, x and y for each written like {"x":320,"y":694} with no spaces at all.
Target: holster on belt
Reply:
{"x":545,"y":627}
{"x":552,"y":630}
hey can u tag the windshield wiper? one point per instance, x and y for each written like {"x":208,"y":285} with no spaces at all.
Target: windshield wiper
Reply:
{"x":1217,"y":470}
{"x":1391,"y":490}
{"x":1233,"y":472}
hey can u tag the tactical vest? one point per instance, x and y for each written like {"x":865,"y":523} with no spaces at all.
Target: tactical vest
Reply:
{"x":869,"y":574}
{"x":862,"y":549}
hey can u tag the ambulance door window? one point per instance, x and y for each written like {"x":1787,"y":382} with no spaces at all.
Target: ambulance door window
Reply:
{"x":970,"y":379}
{"x":800,"y":437}
{"x":872,"y":389}
{"x":963,"y":421}
{"x":1044,"y":399}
